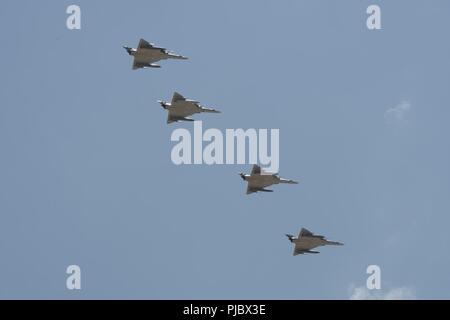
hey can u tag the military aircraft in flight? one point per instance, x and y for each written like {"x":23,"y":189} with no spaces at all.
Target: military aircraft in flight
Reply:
{"x":146,"y":54}
{"x":258,"y":180}
{"x":181,"y":108}
{"x":306,"y":241}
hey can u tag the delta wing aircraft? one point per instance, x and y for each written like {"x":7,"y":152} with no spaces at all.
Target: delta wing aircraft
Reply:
{"x":146,"y":54}
{"x":181,"y":108}
{"x":306,"y":241}
{"x":258,"y":180}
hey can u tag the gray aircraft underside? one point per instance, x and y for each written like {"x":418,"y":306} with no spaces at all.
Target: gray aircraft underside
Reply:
{"x":306,"y":241}
{"x":181,"y":108}
{"x":146,"y":54}
{"x":258,"y":181}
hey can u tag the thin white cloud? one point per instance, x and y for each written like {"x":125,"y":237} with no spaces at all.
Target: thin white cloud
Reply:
{"x":400,"y":293}
{"x":398,"y":113}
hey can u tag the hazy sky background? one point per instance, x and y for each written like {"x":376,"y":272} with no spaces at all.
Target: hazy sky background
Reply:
{"x":85,"y":170}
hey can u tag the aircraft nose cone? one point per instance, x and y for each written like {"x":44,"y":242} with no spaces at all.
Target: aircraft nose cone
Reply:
{"x":162,"y":103}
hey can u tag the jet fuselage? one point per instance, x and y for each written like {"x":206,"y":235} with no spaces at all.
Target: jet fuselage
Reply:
{"x":263,"y":180}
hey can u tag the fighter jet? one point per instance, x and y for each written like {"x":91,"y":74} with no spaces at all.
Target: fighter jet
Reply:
{"x":147,"y":54}
{"x":306,"y":241}
{"x":259,"y":180}
{"x":180,"y":108}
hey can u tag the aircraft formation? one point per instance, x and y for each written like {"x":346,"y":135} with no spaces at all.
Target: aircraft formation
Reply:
{"x":181,"y":109}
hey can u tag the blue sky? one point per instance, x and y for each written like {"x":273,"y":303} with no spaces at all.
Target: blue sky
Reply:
{"x":85,"y":170}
